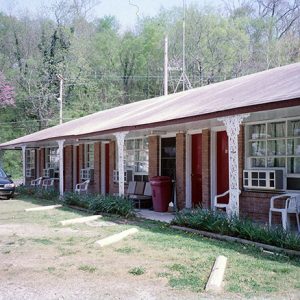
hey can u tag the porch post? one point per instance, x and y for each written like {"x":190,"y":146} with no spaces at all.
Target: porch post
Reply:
{"x":24,"y":163}
{"x":232,"y":124}
{"x":61,"y":166}
{"x":120,"y":136}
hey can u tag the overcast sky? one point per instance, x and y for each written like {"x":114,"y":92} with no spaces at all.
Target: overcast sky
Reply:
{"x":125,"y":12}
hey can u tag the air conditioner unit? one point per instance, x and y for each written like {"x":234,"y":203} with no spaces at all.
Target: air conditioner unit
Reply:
{"x":86,"y":174}
{"x":264,"y":179}
{"x":48,"y":173}
{"x":30,"y":173}
{"x":128,"y":176}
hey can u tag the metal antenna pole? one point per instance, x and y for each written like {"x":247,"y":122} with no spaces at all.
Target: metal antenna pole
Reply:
{"x":183,"y":45}
{"x":183,"y":78}
{"x":61,"y":81}
{"x":166,"y":67}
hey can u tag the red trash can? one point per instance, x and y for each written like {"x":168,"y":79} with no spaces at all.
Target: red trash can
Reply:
{"x":161,"y":192}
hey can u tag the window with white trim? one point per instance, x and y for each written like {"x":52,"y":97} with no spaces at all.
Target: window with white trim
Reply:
{"x":276,"y":145}
{"x":52,"y":158}
{"x":136,"y":158}
{"x":30,"y":162}
{"x":89,"y":156}
{"x":136,"y":155}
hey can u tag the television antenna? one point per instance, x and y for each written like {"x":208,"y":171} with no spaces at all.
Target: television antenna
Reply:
{"x":183,"y":78}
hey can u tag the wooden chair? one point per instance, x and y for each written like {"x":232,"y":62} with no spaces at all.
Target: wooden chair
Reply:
{"x":82,"y":187}
{"x":146,"y":196}
{"x":36,"y":182}
{"x":291,"y":206}
{"x":131,"y":188}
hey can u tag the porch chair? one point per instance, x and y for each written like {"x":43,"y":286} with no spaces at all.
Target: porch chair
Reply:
{"x":222,"y":205}
{"x":291,"y":206}
{"x":48,"y":182}
{"x":131,"y":188}
{"x":82,"y":187}
{"x":36,"y":182}
{"x":147,"y":195}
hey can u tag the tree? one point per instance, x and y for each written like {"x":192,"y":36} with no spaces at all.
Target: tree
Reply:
{"x":7,"y":93}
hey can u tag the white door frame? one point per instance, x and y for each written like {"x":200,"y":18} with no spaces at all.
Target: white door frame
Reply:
{"x":103,"y":164}
{"x":188,"y":166}
{"x":213,"y":162}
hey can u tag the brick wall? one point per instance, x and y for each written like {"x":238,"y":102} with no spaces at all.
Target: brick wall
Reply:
{"x":42,"y":161}
{"x":68,"y":168}
{"x":113,"y":188}
{"x":180,"y":170}
{"x":256,"y":206}
{"x":206,"y":172}
{"x":97,"y":168}
{"x":80,"y":159}
{"x":153,"y":155}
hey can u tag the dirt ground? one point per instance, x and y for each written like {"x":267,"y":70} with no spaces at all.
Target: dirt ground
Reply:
{"x":40,"y":259}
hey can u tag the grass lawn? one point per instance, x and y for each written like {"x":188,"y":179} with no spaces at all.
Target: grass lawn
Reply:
{"x":158,"y":261}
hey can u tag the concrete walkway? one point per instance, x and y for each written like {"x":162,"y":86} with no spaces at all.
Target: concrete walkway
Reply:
{"x":155,"y":216}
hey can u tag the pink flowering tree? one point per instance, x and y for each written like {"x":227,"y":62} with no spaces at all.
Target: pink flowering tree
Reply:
{"x":7,"y":93}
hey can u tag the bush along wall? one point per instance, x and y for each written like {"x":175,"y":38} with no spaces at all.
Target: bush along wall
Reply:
{"x":37,"y":192}
{"x":218,"y":222}
{"x":101,"y":203}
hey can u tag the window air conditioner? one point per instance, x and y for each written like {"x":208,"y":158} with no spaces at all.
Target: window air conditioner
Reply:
{"x":48,"y":173}
{"x":30,"y":173}
{"x":128,"y":176}
{"x":86,"y":174}
{"x":264,"y":179}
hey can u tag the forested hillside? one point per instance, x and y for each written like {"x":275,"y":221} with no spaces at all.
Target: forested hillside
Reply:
{"x":105,"y":66}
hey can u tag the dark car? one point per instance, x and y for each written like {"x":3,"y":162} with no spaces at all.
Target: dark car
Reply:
{"x":7,"y":187}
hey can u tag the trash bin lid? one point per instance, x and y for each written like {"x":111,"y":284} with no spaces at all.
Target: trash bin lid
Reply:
{"x":160,"y":178}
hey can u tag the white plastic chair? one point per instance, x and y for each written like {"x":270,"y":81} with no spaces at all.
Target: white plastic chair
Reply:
{"x":292,"y":206}
{"x":222,"y":205}
{"x":48,"y":182}
{"x":82,"y":187}
{"x":36,"y":182}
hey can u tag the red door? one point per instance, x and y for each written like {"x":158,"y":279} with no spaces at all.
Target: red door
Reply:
{"x":222,"y":165}
{"x":196,"y":169}
{"x":107,"y":168}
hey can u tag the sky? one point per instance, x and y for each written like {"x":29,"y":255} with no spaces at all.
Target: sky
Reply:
{"x":125,"y":12}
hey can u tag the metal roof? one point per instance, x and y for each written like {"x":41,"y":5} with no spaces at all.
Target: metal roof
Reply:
{"x":272,"y":86}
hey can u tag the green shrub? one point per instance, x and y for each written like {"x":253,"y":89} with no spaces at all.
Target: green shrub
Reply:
{"x":25,"y":190}
{"x":112,"y":204}
{"x":38,"y":192}
{"x":218,"y":222}
{"x":48,"y":194}
{"x":80,"y":200}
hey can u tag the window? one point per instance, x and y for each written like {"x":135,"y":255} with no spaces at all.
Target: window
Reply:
{"x":30,"y":163}
{"x":276,"y":145}
{"x":89,"y":156}
{"x":136,"y":155}
{"x":52,"y":158}
{"x":136,"y":158}
{"x":168,"y":157}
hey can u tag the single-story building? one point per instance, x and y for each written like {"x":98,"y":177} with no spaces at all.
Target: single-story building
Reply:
{"x":240,"y":135}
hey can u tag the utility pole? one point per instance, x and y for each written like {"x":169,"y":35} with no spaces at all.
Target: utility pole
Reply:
{"x":183,"y":78}
{"x":61,"y":82}
{"x":166,"y":67}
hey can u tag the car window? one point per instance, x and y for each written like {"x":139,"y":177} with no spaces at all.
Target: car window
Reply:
{"x":2,"y":173}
